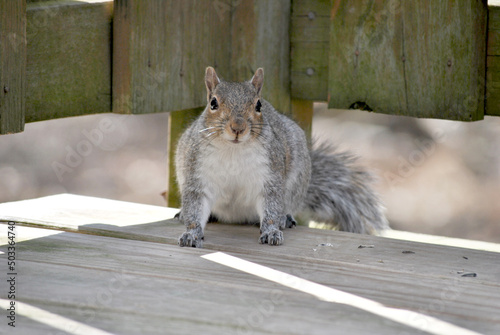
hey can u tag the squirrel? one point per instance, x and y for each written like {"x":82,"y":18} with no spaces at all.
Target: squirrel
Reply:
{"x":242,"y":161}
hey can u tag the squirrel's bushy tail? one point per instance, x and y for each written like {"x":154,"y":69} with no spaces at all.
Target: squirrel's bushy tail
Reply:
{"x":340,"y":194}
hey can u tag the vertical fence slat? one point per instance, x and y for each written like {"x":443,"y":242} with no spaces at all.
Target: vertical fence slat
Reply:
{"x":260,"y":38}
{"x":12,"y":65}
{"x":69,"y":59}
{"x":309,"y":43}
{"x":161,"y":49}
{"x":493,"y":62}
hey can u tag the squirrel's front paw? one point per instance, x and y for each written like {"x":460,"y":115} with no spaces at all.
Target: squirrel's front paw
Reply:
{"x":188,"y":239}
{"x":272,"y":237}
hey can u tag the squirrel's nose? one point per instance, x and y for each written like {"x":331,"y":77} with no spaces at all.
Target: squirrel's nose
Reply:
{"x":237,"y":130}
{"x":238,"y":127}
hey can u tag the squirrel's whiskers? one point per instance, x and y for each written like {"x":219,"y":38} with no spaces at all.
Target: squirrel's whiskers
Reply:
{"x":209,"y":128}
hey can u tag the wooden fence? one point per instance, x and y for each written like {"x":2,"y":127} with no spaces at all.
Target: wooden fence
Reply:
{"x":419,"y":58}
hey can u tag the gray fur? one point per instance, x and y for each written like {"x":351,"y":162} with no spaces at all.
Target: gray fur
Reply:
{"x":245,"y":165}
{"x":340,"y":194}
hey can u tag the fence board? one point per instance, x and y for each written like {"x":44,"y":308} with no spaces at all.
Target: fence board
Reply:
{"x":69,"y":59}
{"x":12,"y":65}
{"x":260,"y":38}
{"x":159,"y":63}
{"x":309,"y":43}
{"x":493,"y":61}
{"x":415,"y":58}
{"x":161,"y":49}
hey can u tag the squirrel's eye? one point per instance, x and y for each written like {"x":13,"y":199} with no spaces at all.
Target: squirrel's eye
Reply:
{"x":214,"y":104}
{"x":258,"y":106}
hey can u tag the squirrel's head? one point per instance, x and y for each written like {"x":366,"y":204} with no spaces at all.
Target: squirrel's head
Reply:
{"x":234,"y":110}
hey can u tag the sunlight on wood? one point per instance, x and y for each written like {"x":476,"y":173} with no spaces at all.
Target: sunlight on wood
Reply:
{"x":441,"y":240}
{"x":72,"y":211}
{"x":53,"y":320}
{"x":406,"y":317}
{"x":24,"y":235}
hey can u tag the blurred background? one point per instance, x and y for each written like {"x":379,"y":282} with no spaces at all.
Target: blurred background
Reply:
{"x":434,"y":176}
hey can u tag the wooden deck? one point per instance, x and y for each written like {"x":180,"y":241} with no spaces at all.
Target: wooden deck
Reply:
{"x":95,"y":266}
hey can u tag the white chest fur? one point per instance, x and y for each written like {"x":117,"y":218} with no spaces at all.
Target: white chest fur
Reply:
{"x":235,"y":175}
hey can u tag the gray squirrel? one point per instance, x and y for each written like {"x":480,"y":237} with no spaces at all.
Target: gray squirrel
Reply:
{"x":242,"y":161}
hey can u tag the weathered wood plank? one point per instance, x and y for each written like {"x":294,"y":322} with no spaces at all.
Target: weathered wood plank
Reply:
{"x":69,"y":59}
{"x":12,"y":65}
{"x":72,"y":211}
{"x":260,"y":38}
{"x":77,"y":282}
{"x":416,"y":58}
{"x":493,"y":86}
{"x":161,"y":49}
{"x":493,"y":61}
{"x":151,"y":223}
{"x":152,"y":287}
{"x":309,"y":47}
{"x":493,"y":30}
{"x":150,"y":290}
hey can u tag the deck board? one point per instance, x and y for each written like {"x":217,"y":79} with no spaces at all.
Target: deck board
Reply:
{"x":117,"y":267}
{"x":105,"y":281}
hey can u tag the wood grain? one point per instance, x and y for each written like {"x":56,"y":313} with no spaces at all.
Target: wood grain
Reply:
{"x":493,"y":62}
{"x":260,"y":38}
{"x":161,"y":50}
{"x":12,"y":65}
{"x":414,"y":58}
{"x":134,"y":287}
{"x":69,"y":59}
{"x":130,"y":286}
{"x":309,"y":47}
{"x":120,"y":270}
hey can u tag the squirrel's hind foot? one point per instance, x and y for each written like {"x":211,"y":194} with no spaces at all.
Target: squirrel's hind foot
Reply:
{"x":290,"y":221}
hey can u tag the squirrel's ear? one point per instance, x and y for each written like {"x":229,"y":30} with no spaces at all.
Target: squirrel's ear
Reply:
{"x":258,"y":79}
{"x":211,"y":80}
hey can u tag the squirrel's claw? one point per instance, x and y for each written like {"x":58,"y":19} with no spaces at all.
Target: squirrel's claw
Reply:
{"x":272,"y":237}
{"x":188,"y":239}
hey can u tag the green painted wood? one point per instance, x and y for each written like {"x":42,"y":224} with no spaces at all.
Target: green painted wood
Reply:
{"x":178,"y":122}
{"x":309,"y":43}
{"x":493,"y":86}
{"x":69,"y":59}
{"x":493,"y":62}
{"x":416,"y":58}
{"x":12,"y":65}
{"x":302,"y":113}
